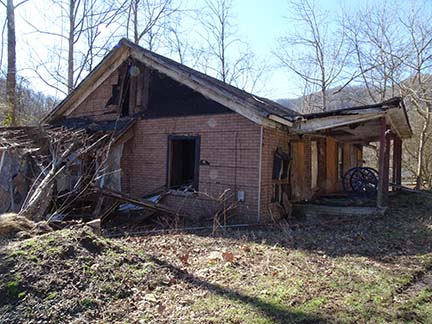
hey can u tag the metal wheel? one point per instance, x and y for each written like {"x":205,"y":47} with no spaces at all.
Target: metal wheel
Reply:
{"x":346,"y":180}
{"x":364,"y":181}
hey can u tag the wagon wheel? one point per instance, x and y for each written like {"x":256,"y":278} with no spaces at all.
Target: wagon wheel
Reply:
{"x":375,"y":172}
{"x":346,"y":180}
{"x":364,"y":181}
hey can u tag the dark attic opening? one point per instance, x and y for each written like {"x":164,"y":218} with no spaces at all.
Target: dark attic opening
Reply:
{"x":183,"y":166}
{"x":169,"y":98}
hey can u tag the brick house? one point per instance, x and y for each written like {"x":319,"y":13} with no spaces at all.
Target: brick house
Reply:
{"x":197,"y":136}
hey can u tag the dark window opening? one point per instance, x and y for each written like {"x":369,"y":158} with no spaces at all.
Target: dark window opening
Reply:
{"x":183,"y":162}
{"x":281,"y":175}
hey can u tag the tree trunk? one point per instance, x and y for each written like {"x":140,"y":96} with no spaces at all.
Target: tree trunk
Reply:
{"x":420,"y":153}
{"x":71,"y":39}
{"x":11,"y":66}
{"x":135,"y":21}
{"x":324,"y":98}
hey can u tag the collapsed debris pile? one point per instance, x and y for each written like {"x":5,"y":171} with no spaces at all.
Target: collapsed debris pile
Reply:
{"x":59,"y":173}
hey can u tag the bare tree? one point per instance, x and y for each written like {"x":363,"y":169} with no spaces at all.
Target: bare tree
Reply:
{"x":378,"y":49}
{"x":417,"y":88}
{"x":11,"y":76}
{"x":91,"y":27}
{"x":393,"y":54}
{"x":312,"y":51}
{"x":223,"y":53}
{"x":178,"y":45}
{"x":147,"y":20}
{"x":11,"y":66}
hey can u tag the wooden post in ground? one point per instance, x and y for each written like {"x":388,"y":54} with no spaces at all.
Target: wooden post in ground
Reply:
{"x":397,"y":163}
{"x":386,"y":168}
{"x":382,"y":183}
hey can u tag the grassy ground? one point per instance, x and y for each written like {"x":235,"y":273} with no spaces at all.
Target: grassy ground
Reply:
{"x":370,"y":271}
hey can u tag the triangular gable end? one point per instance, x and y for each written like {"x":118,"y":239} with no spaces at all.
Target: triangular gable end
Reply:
{"x":208,"y":87}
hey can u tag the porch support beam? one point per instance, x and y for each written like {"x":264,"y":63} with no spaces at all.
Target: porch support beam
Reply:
{"x":397,"y":163}
{"x":383,"y":167}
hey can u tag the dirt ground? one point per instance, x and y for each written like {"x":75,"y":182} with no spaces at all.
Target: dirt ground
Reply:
{"x":364,"y":271}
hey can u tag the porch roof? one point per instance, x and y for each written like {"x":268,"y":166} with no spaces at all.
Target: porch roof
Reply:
{"x":359,"y":124}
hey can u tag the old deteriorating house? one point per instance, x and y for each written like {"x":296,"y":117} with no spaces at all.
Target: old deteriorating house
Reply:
{"x":196,"y":136}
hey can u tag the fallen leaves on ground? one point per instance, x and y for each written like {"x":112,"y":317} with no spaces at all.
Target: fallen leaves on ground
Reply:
{"x":367,"y":271}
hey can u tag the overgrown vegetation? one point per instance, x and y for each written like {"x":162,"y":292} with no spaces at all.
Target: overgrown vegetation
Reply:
{"x":373,"y":271}
{"x":70,"y":275}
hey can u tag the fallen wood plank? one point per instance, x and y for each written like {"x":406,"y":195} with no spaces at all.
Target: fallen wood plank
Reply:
{"x":135,"y":201}
{"x":109,"y":210}
{"x":407,"y":189}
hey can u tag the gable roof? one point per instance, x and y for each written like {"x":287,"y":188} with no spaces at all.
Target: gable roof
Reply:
{"x":260,"y":110}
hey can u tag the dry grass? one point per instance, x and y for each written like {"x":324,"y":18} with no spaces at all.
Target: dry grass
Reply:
{"x":11,"y":223}
{"x":362,"y":272}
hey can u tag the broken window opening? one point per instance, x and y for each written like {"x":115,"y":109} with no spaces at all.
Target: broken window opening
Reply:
{"x":183,"y":157}
{"x":115,"y":96}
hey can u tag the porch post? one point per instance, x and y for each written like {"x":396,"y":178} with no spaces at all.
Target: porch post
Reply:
{"x":383,"y":164}
{"x":397,"y":162}
{"x":386,"y":168}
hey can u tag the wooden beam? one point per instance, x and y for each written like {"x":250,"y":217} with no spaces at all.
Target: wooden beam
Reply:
{"x":280,"y":120}
{"x":318,"y":124}
{"x":133,"y":92}
{"x":134,"y":201}
{"x":386,"y":166}
{"x":381,"y":196}
{"x":397,"y":163}
{"x":123,"y":79}
{"x":143,"y":89}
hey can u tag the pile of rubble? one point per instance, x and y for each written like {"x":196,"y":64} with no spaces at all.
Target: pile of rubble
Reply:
{"x":60,"y":173}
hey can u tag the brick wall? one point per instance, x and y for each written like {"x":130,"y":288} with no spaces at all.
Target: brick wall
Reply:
{"x":229,"y":142}
{"x":231,"y":145}
{"x":94,"y":106}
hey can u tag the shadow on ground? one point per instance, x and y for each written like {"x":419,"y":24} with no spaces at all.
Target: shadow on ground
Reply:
{"x":405,"y":230}
{"x":275,"y":312}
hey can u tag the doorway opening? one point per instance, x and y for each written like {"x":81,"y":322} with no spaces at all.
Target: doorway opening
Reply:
{"x":183,"y":166}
